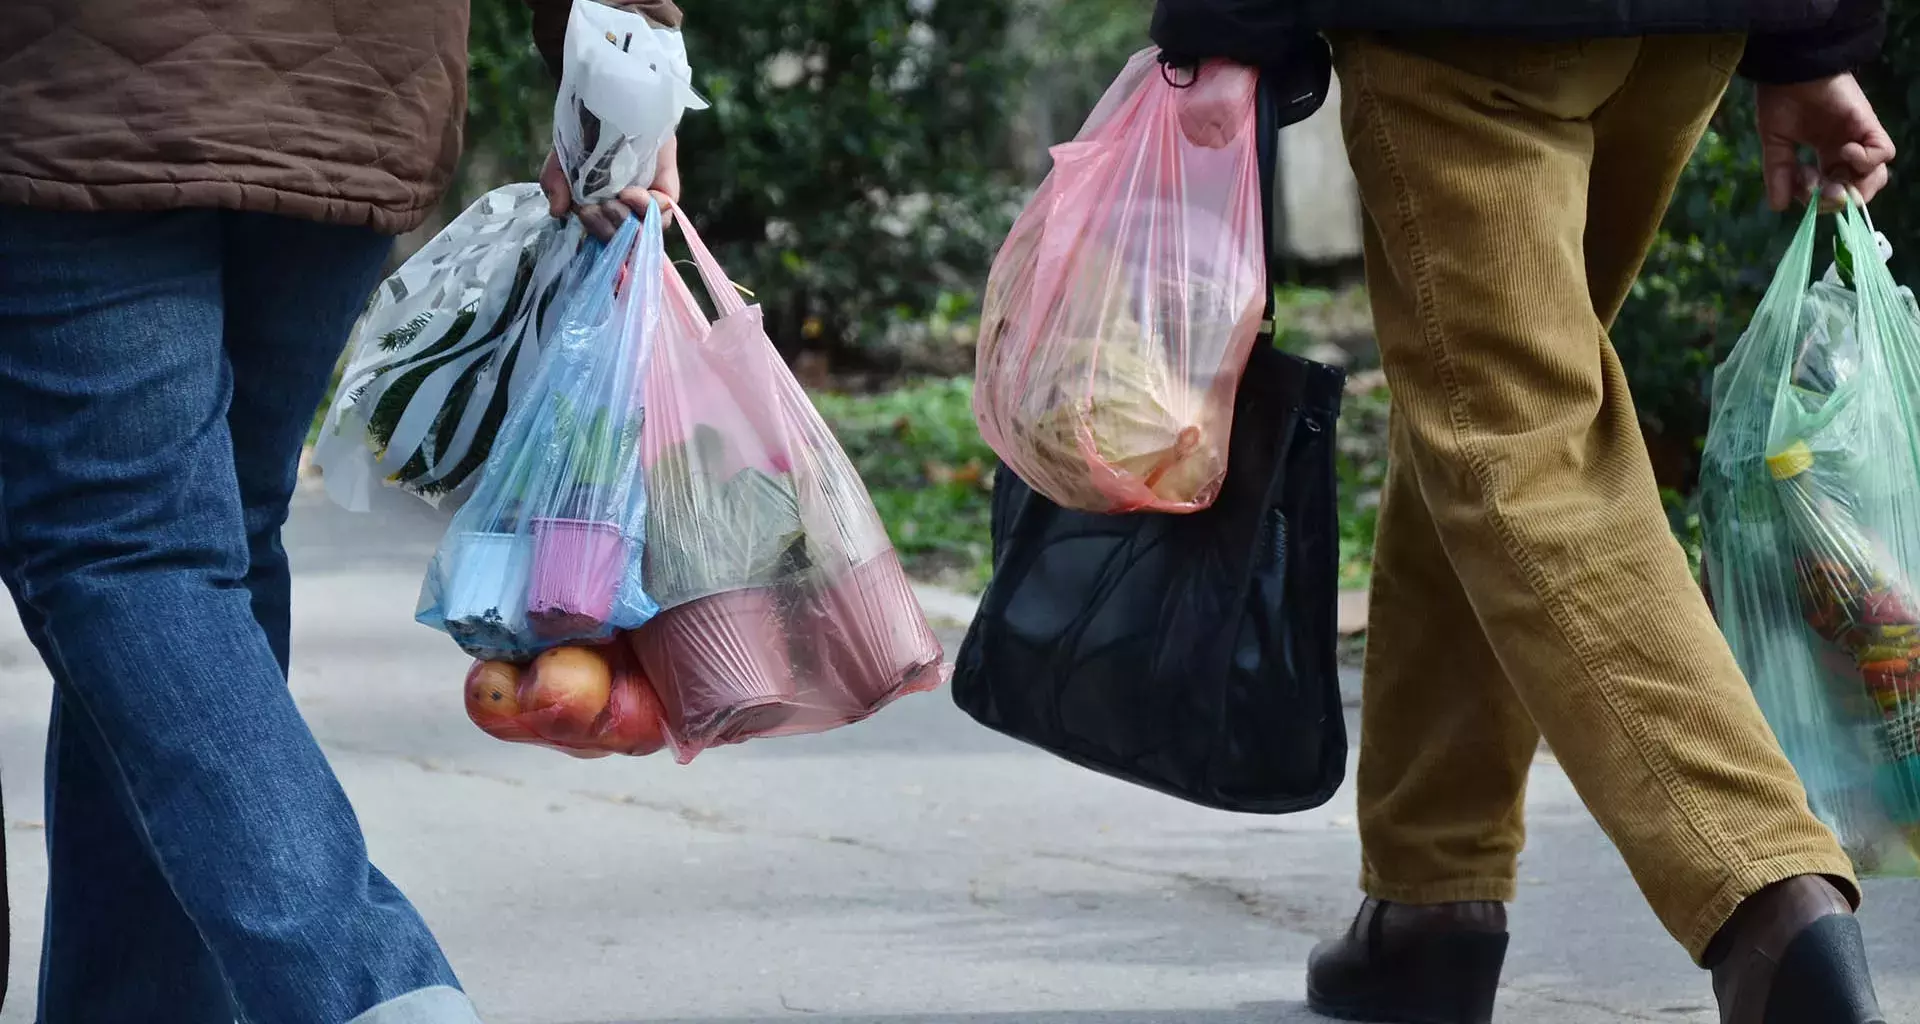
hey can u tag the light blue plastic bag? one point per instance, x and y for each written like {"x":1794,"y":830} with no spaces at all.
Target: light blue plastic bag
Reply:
{"x":549,"y":550}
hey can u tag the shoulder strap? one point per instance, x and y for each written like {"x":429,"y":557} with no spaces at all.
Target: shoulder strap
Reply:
{"x":1292,"y":87}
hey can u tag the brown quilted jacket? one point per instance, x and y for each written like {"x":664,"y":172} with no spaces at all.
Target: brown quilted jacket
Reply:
{"x":344,"y":111}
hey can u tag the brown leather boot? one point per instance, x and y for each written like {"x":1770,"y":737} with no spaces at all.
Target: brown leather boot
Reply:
{"x":1792,"y":954}
{"x":1403,"y":964}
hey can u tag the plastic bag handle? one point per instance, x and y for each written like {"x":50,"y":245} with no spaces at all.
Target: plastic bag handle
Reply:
{"x":1860,"y":201}
{"x":1872,"y":280}
{"x":720,"y":288}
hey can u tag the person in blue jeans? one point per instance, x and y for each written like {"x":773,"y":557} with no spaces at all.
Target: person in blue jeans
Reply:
{"x":194,"y":206}
{"x":204,"y":863}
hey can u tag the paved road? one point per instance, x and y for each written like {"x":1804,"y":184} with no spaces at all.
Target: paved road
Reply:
{"x":911,"y":870}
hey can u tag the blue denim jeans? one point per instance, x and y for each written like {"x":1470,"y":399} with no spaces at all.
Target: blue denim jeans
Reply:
{"x":157,"y":376}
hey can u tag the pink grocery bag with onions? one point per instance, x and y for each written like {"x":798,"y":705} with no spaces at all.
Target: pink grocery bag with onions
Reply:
{"x":1121,"y":310}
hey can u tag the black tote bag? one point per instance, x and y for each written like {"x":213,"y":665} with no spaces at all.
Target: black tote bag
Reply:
{"x":1192,"y":654}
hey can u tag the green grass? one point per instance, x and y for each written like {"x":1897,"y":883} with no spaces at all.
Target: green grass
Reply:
{"x":929,"y":472}
{"x":326,"y":403}
{"x":1304,"y":315}
{"x":1683,"y":515}
{"x":1360,"y":465}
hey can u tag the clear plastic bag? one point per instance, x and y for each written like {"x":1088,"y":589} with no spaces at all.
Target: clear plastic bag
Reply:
{"x":1119,"y":314}
{"x":1811,"y":505}
{"x":547,"y":552}
{"x":586,"y":701}
{"x":784,"y":606}
{"x":450,"y":338}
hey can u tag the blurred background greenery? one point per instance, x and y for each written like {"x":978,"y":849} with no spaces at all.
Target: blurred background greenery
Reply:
{"x":863,"y":159}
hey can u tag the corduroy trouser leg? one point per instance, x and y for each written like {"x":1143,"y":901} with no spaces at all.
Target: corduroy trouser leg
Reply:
{"x":1525,"y":582}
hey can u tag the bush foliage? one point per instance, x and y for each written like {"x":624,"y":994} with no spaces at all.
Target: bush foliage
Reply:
{"x":930,"y":474}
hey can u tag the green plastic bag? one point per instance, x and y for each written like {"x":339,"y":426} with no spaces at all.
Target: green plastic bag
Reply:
{"x":1810,"y":498}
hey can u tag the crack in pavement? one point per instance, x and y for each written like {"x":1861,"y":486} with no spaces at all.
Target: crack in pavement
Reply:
{"x":693,"y":817}
{"x":1252,"y":901}
{"x":788,"y":1006}
{"x":1550,"y":996}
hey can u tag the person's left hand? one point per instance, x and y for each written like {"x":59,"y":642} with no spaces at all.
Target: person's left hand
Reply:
{"x":603,"y":219}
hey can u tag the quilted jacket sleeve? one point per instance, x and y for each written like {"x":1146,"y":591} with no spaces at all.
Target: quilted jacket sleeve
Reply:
{"x":1849,"y":39}
{"x":550,"y":23}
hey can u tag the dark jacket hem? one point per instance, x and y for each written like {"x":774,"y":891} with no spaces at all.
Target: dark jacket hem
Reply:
{"x":1848,"y":41}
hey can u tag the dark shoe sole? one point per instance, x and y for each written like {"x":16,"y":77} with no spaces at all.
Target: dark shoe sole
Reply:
{"x":1450,"y":979}
{"x":1823,"y":977}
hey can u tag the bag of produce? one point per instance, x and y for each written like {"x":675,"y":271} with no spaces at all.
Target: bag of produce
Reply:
{"x":547,"y":552}
{"x":784,"y":606}
{"x":1119,"y":313}
{"x":450,"y":339}
{"x":1811,"y":504}
{"x":586,"y":701}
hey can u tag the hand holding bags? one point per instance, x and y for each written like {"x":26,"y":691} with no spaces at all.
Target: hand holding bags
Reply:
{"x":782,"y":607}
{"x":450,"y":339}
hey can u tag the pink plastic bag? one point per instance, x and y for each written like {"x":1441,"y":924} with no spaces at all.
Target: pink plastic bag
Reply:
{"x":585,"y":701}
{"x":1120,"y":312}
{"x":784,"y":607}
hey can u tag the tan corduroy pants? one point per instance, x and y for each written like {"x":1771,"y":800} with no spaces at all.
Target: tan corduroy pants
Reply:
{"x":1525,"y":582}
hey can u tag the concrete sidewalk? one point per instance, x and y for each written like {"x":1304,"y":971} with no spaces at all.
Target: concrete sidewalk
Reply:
{"x":912,"y":869}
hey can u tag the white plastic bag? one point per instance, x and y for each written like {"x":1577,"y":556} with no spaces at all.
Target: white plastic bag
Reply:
{"x":627,"y":82}
{"x":450,"y":339}
{"x":442,"y":348}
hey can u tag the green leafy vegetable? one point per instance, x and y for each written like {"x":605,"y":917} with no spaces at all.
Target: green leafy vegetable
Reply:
{"x":706,"y":534}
